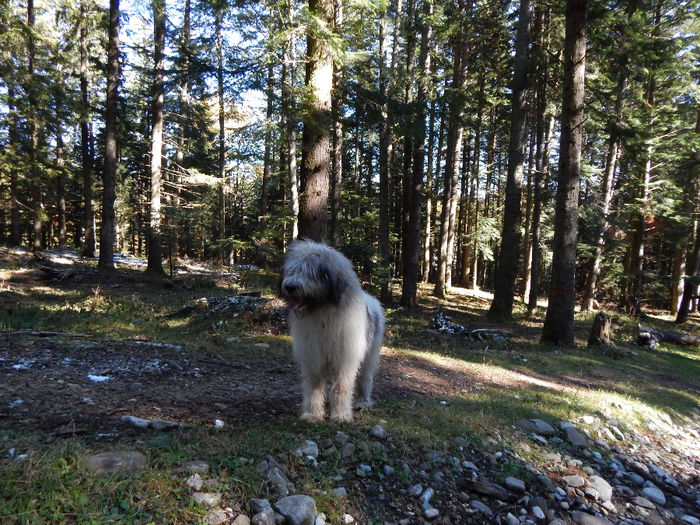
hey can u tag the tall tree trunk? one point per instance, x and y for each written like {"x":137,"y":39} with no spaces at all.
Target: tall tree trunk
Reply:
{"x":527,"y":241}
{"x":679,"y":259}
{"x":559,"y":320}
{"x":87,"y":160}
{"x":267,"y":155}
{"x":61,"y":185}
{"x":109,"y":173}
{"x":33,"y":124}
{"x":455,"y":129}
{"x":509,"y":253}
{"x":15,"y":220}
{"x":385,"y":294}
{"x":155,"y":258}
{"x":336,"y":182}
{"x":221,"y":207}
{"x":289,"y":118}
{"x":429,"y":195}
{"x":411,"y":245}
{"x":315,"y":152}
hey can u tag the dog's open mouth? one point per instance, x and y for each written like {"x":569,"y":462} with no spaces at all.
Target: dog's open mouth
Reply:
{"x":294,"y":304}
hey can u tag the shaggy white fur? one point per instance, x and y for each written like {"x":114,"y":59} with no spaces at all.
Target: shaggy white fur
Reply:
{"x":336,"y":328}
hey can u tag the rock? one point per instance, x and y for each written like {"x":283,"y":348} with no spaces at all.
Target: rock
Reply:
{"x":124,"y":462}
{"x":388,"y":470}
{"x":299,"y":509}
{"x":208,"y":499}
{"x":643,"y":502}
{"x":431,"y":514}
{"x":342,"y":437}
{"x":378,"y":432}
{"x":264,"y":517}
{"x":340,"y":492}
{"x":416,"y":490}
{"x":348,"y":451}
{"x":603,"y":487}
{"x":539,"y":439}
{"x":591,"y":493}
{"x":575,"y":437}
{"x":159,"y":424}
{"x":427,"y":495}
{"x":320,"y":519}
{"x":692,"y":520}
{"x":511,"y":520}
{"x":259,"y":505}
{"x":195,"y":466}
{"x":556,"y":521}
{"x":347,"y":518}
{"x":636,"y":479}
{"x":194,"y":481}
{"x":486,"y":488}
{"x":469,"y":466}
{"x":481,"y":507}
{"x":241,"y":519}
{"x":310,"y":448}
{"x":136,"y":421}
{"x":537,"y":425}
{"x":574,"y":480}
{"x":514,"y":484}
{"x":654,"y":494}
{"x":538,"y":513}
{"x":215,"y":516}
{"x":582,"y":518}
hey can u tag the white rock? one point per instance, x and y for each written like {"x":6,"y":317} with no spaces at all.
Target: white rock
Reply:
{"x":208,"y":499}
{"x":538,"y":513}
{"x":194,"y":481}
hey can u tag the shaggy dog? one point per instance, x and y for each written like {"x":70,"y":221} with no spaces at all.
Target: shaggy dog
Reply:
{"x":336,"y":329}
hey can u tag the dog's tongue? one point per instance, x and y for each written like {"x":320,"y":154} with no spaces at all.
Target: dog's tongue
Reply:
{"x":293,"y":304}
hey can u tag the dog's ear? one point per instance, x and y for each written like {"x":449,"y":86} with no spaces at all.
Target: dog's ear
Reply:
{"x":336,"y":284}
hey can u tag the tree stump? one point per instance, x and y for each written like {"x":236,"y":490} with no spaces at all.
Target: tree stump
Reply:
{"x":600,"y":331}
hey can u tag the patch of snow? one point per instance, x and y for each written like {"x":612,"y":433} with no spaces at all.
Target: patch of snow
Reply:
{"x":98,"y":379}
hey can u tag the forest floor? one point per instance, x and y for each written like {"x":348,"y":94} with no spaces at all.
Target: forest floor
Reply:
{"x":198,"y":367}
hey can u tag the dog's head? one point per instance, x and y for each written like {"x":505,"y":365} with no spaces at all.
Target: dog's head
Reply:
{"x":313,"y":275}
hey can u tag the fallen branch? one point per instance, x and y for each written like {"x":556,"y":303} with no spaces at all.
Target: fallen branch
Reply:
{"x":43,"y":333}
{"x":651,"y":337}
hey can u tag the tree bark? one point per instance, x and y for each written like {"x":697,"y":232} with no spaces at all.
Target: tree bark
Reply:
{"x":412,"y":233}
{"x":87,"y":161}
{"x":33,"y":124}
{"x":61,"y":184}
{"x":509,"y":253}
{"x":336,"y":181}
{"x":267,"y":155}
{"x":155,"y":257}
{"x":15,"y":220}
{"x":109,"y":174}
{"x":315,"y":153}
{"x":455,"y":130}
{"x":289,"y":119}
{"x":221,"y":207}
{"x":600,"y":331}
{"x":559,"y":320}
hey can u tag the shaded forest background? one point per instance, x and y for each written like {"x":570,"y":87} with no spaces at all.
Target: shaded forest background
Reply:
{"x":429,"y":141}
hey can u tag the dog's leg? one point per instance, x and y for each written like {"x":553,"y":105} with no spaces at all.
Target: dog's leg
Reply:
{"x":341,"y":396}
{"x":314,"y":400}
{"x":365,"y":381}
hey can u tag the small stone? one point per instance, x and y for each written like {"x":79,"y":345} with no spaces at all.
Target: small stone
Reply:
{"x":538,"y":513}
{"x":537,"y":425}
{"x":342,"y":437}
{"x":511,"y":520}
{"x":540,"y":439}
{"x":415,"y":490}
{"x":427,"y":495}
{"x":654,"y":494}
{"x":259,"y":505}
{"x":583,"y":518}
{"x":310,"y":448}
{"x":264,"y":517}
{"x":347,"y":518}
{"x":388,"y":470}
{"x":219,"y":424}
{"x":348,"y":450}
{"x":575,"y":437}
{"x":121,"y":462}
{"x":298,"y":509}
{"x":194,"y":481}
{"x":574,"y":480}
{"x":195,"y":466}
{"x":378,"y":432}
{"x":603,"y":487}
{"x":136,"y":421}
{"x":636,"y":479}
{"x":690,"y":519}
{"x":320,"y":519}
{"x":340,"y":492}
{"x":215,"y":516}
{"x":480,"y":507}
{"x":643,"y":502}
{"x":515,"y":484}
{"x":431,"y":514}
{"x":469,"y":465}
{"x":207,"y":499}
{"x":241,"y":519}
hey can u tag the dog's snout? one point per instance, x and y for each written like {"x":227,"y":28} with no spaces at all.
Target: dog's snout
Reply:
{"x":290,"y":287}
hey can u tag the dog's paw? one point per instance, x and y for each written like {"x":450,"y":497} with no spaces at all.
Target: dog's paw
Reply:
{"x":342,"y":417}
{"x":359,"y":405}
{"x":311,"y":418}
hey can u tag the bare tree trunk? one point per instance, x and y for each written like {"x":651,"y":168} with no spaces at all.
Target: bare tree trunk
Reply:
{"x":385,"y":140}
{"x":455,"y":131}
{"x":33,"y":124}
{"x":87,"y":160}
{"x":677,"y":279}
{"x":221,"y":218}
{"x":289,"y":119}
{"x":509,"y":253}
{"x":109,"y":175}
{"x":155,"y":257}
{"x":412,"y":230}
{"x":559,"y":320}
{"x":336,"y":181}
{"x":15,"y":220}
{"x":315,"y":152}
{"x":61,"y":185}
{"x":429,"y":196}
{"x":267,"y":155}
